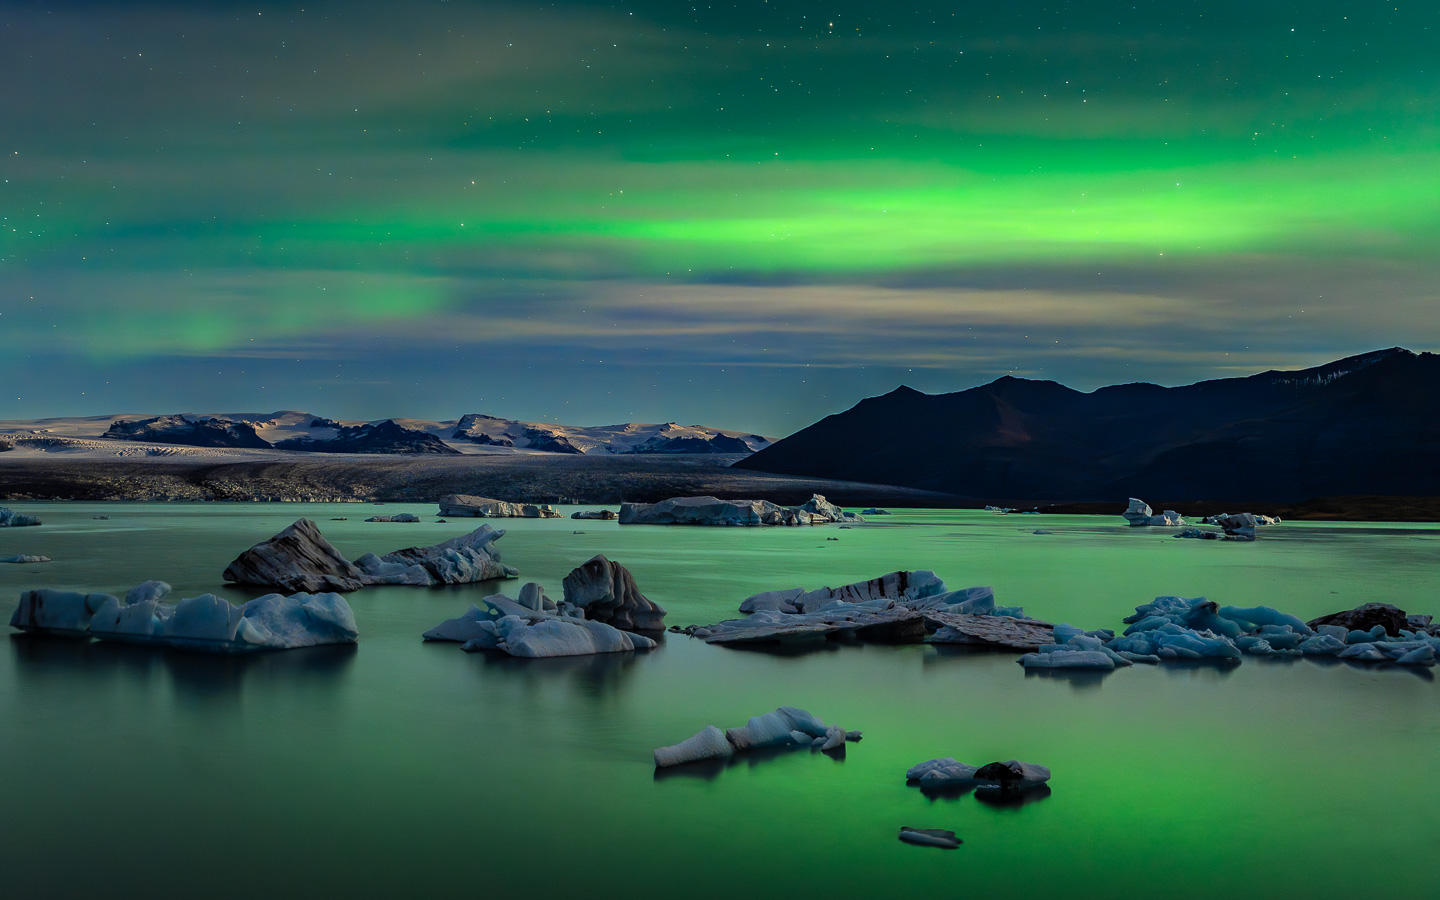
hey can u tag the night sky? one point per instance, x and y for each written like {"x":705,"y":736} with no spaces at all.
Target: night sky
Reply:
{"x":747,"y":215}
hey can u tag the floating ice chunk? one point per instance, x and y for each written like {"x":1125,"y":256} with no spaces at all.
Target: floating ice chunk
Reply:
{"x":908,"y":586}
{"x":709,"y":743}
{"x":1420,"y":656}
{"x":1322,"y":645}
{"x":946,"y":772}
{"x":1063,"y":633}
{"x":1254,"y":617}
{"x":381,"y":571}
{"x":1147,"y":658}
{"x":213,"y":624}
{"x":25,"y":558}
{"x":1357,"y":636}
{"x":766,"y":730}
{"x":930,"y":837}
{"x":146,"y":590}
{"x":64,"y":613}
{"x":1073,"y":659}
{"x":1363,"y":652}
{"x":803,"y":721}
{"x":559,"y":636}
{"x":9,"y":518}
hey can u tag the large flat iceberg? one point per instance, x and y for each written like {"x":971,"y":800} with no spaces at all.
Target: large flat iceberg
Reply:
{"x":207,"y":623}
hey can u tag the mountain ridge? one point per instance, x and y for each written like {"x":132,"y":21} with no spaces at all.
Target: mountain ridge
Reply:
{"x":1364,"y":424}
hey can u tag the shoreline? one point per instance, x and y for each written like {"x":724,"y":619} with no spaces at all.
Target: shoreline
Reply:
{"x":536,"y":478}
{"x":526,"y":478}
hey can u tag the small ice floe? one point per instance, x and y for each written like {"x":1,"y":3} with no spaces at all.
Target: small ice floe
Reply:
{"x":1259,"y":520}
{"x":206,"y":623}
{"x":533,"y":627}
{"x":785,"y":727}
{"x":1233,"y":527}
{"x":899,"y":607}
{"x":1180,"y":628}
{"x":942,"y":774}
{"x":1139,"y":513}
{"x":300,"y":559}
{"x":930,"y":837}
{"x":947,"y":773}
{"x":709,"y":743}
{"x":604,"y":515}
{"x":24,"y":558}
{"x":397,"y":517}
{"x":875,"y":511}
{"x":9,"y":518}
{"x":490,"y":508}
{"x":714,"y":511}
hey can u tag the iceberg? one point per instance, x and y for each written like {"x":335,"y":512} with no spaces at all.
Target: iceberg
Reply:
{"x":489,"y":508}
{"x":930,"y":837}
{"x":787,"y":726}
{"x":942,"y":774}
{"x":207,"y":623}
{"x":534,"y":627}
{"x":9,"y":518}
{"x":714,"y":511}
{"x":300,"y":559}
{"x":1139,"y":513}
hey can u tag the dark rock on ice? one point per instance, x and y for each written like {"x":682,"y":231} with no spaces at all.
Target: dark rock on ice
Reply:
{"x":297,"y":559}
{"x":607,"y":593}
{"x":1366,"y":617}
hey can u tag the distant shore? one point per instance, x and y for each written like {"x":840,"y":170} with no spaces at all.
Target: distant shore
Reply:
{"x":1340,"y":509}
{"x":520,"y":477}
{"x":556,"y":478}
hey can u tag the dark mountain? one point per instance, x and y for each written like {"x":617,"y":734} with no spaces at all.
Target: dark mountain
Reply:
{"x":190,"y":431}
{"x":376,"y":437}
{"x":1367,"y":424}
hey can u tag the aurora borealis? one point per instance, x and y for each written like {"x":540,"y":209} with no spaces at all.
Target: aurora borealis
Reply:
{"x":748,"y":214}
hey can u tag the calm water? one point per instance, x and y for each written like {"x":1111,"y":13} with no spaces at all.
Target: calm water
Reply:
{"x":403,"y":767}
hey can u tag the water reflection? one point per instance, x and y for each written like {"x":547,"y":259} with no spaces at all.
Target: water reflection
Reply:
{"x":1199,"y":669}
{"x":998,"y":800}
{"x":197,"y":677}
{"x":1079,"y":679}
{"x":1421,"y":672}
{"x":954,"y":792}
{"x":710,"y":769}
{"x":598,"y":676}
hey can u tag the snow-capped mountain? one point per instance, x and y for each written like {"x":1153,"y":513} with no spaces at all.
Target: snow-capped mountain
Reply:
{"x":472,"y":433}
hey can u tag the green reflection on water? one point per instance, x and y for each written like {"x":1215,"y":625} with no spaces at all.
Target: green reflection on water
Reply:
{"x":397,"y":766}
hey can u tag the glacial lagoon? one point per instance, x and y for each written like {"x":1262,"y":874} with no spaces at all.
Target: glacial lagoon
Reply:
{"x":397,"y":767}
